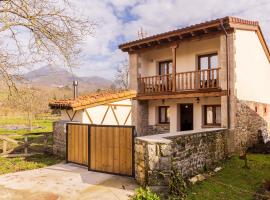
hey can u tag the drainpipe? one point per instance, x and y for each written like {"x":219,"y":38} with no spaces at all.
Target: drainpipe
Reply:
{"x":228,"y":77}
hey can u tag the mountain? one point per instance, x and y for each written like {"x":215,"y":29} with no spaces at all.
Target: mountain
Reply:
{"x":48,"y":76}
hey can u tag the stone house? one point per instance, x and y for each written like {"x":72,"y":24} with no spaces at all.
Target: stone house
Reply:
{"x":209,"y":75}
{"x":199,"y":94}
{"x":202,"y":94}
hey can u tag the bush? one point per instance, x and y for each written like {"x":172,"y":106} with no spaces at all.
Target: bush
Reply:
{"x":145,"y":194}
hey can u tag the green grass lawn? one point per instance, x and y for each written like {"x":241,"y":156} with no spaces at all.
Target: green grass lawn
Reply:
{"x":9,"y":165}
{"x":234,"y":182}
{"x":45,"y":124}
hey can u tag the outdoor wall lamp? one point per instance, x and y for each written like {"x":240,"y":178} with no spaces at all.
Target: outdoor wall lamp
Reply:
{"x":198,"y":99}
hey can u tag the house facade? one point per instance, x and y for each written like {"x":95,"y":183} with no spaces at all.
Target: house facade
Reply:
{"x":209,"y":75}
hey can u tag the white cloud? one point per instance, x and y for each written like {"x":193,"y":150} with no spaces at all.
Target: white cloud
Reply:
{"x":154,"y":16}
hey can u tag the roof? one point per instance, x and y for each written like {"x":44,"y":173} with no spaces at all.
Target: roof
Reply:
{"x":92,"y":100}
{"x":196,"y":30}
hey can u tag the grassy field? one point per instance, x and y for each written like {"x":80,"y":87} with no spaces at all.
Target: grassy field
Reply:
{"x":9,"y":165}
{"x":234,"y":182}
{"x":40,"y":125}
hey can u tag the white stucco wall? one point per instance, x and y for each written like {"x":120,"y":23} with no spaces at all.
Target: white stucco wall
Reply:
{"x":121,"y":109}
{"x":252,"y":68}
{"x":186,"y":56}
{"x":174,"y":124}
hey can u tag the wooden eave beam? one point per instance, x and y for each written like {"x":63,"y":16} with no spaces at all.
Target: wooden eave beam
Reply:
{"x":172,"y":34}
{"x":184,"y":39}
{"x":90,"y":105}
{"x":182,"y":95}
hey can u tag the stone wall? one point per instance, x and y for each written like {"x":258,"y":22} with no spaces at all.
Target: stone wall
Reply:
{"x":248,"y":124}
{"x":59,"y":138}
{"x":157,"y":129}
{"x":190,"y":152}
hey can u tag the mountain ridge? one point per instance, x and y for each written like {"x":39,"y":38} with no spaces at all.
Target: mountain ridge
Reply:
{"x":48,"y":76}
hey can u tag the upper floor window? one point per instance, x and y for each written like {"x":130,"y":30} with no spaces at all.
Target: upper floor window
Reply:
{"x":163,"y":115}
{"x":209,"y":61}
{"x":165,"y":67}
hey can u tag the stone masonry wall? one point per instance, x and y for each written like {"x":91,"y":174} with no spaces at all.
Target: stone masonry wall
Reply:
{"x":59,"y":138}
{"x":157,"y":129}
{"x":249,"y":122}
{"x":190,"y":153}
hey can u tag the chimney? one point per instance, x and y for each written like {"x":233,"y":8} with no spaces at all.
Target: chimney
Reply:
{"x":75,"y":89}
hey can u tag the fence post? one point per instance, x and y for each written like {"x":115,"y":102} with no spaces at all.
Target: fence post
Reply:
{"x":4,"y":146}
{"x":26,"y":144}
{"x":45,"y":143}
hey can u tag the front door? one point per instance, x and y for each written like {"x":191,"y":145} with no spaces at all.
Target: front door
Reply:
{"x":186,"y":117}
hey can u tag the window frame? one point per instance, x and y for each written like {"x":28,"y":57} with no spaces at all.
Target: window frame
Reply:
{"x":167,"y":121}
{"x":159,"y":66}
{"x":214,"y":107}
{"x":209,"y":59}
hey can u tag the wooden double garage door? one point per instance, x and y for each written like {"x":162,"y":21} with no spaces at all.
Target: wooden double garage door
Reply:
{"x":101,"y":148}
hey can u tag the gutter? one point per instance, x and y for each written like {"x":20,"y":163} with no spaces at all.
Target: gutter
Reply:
{"x":228,"y":78}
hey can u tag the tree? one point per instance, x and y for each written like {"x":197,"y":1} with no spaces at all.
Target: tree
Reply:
{"x":122,"y":76}
{"x":33,"y":31}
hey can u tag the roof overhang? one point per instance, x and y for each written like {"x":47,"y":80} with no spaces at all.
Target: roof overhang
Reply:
{"x":82,"y":103}
{"x":201,"y":30}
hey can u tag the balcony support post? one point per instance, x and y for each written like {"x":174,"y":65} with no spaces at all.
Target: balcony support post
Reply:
{"x":174,"y":67}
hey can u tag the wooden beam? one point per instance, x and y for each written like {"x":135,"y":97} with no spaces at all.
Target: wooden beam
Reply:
{"x":114,"y":115}
{"x":127,"y":117}
{"x":174,"y":67}
{"x":183,"y":95}
{"x":160,"y":45}
{"x":88,"y":116}
{"x":90,"y":105}
{"x":105,"y":115}
{"x":71,"y":117}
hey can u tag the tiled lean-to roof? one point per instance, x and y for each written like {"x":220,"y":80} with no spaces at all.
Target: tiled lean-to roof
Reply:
{"x":92,"y":100}
{"x":196,"y":30}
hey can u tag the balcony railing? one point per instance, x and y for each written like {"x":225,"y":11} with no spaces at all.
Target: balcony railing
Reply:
{"x":184,"y":81}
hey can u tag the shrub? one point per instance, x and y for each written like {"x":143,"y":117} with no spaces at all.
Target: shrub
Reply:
{"x":145,"y":194}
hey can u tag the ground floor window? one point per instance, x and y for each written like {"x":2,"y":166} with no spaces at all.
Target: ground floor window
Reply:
{"x":212,"y":115}
{"x":163,"y":114}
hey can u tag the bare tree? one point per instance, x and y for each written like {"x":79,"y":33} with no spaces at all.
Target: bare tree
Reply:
{"x":34,"y":31}
{"x":122,"y":76}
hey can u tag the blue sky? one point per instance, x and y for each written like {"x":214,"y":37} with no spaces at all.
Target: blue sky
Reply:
{"x":119,"y":21}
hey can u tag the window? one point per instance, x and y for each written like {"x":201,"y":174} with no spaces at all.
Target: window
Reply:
{"x":265,"y":111}
{"x":212,"y":115}
{"x":256,"y":109}
{"x":209,"y":61}
{"x":206,"y":62}
{"x":163,"y":115}
{"x":165,"y":67}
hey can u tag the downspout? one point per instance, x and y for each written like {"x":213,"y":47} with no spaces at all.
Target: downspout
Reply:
{"x":228,"y":77}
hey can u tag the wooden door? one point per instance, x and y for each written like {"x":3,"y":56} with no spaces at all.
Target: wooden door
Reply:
{"x":111,"y":149}
{"x":77,"y":144}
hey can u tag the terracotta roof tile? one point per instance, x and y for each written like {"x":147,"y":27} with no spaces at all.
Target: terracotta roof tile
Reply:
{"x":92,"y":99}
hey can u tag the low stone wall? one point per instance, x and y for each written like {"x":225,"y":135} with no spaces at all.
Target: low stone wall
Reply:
{"x":251,"y":119}
{"x":59,"y":138}
{"x":190,"y":152}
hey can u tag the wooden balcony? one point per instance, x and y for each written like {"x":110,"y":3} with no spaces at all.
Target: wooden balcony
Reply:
{"x":192,"y":81}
